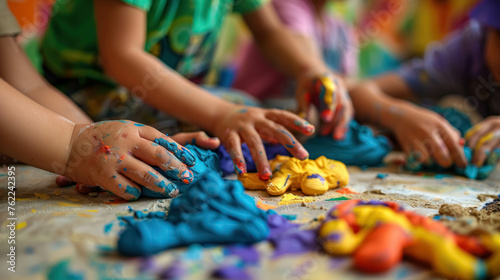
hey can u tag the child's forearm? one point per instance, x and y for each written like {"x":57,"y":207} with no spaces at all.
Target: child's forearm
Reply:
{"x":278,"y":44}
{"x":373,"y":105}
{"x":148,"y":78}
{"x":17,"y":70}
{"x":32,"y":133}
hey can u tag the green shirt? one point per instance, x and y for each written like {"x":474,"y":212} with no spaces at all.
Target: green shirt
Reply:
{"x":182,"y":33}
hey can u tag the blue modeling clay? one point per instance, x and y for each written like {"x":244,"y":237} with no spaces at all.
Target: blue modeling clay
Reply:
{"x":461,"y":122}
{"x":204,"y":160}
{"x":360,"y":147}
{"x":226,"y":163}
{"x":210,"y":211}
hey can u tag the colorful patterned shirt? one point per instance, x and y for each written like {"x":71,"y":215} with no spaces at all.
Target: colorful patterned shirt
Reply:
{"x":182,"y":33}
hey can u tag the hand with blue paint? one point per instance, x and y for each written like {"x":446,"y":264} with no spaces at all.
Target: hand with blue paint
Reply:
{"x":118,"y":156}
{"x":252,"y":125}
{"x":484,"y":140}
{"x":328,"y":94}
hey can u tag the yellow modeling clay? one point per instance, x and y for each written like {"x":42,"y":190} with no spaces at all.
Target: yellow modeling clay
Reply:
{"x":313,"y":177}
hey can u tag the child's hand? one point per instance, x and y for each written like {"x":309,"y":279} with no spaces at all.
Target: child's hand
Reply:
{"x":199,"y":139}
{"x":426,"y":135}
{"x":484,"y":138}
{"x":116,"y":155}
{"x":249,"y":125}
{"x":329,"y":94}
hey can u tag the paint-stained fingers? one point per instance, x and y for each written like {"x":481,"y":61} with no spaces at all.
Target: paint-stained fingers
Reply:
{"x":327,"y":91}
{"x":254,"y":142}
{"x":232,"y":143}
{"x":345,"y":114}
{"x":123,"y":187}
{"x":284,"y":137}
{"x":146,"y":176}
{"x":420,"y":152}
{"x":484,"y":151}
{"x":156,"y":155}
{"x":168,"y":143}
{"x":439,"y":151}
{"x":451,"y":138}
{"x":290,"y":120}
{"x":200,"y":139}
{"x":475,"y":133}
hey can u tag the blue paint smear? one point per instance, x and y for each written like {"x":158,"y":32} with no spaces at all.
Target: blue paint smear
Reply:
{"x":316,"y":176}
{"x":108,"y":227}
{"x":289,"y":146}
{"x":138,"y":124}
{"x":133,"y":191}
{"x":287,"y":134}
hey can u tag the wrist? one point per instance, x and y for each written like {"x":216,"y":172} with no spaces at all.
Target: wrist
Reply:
{"x":76,"y":130}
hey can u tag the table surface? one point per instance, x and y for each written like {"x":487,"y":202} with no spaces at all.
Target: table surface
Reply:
{"x":58,"y":225}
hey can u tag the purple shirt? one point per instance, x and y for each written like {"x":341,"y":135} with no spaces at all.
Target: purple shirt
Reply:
{"x":456,"y":66}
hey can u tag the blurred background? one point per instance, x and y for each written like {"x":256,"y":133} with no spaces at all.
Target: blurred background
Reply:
{"x":385,"y":38}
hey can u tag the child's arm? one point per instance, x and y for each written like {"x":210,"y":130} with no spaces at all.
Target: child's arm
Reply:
{"x":17,"y":70}
{"x":418,"y":130}
{"x":114,"y":155}
{"x":121,"y":34}
{"x":294,"y":59}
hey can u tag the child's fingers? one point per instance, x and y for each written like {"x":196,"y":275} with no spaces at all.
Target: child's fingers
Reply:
{"x":284,"y":137}
{"x":420,"y":152}
{"x":232,"y":143}
{"x":328,"y":90}
{"x":200,"y":139}
{"x":345,"y":113}
{"x":254,"y":142}
{"x":179,"y":151}
{"x":474,"y":134}
{"x":290,"y":120}
{"x":154,"y":154}
{"x":63,"y":181}
{"x":481,"y":153}
{"x":439,"y":151}
{"x":146,"y":176}
{"x":85,"y":189}
{"x":451,"y":138}
{"x":123,"y":187}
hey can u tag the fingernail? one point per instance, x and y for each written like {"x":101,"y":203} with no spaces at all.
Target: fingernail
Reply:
{"x":302,"y":153}
{"x":187,"y":177}
{"x":327,"y":115}
{"x":168,"y":188}
{"x":133,"y":191}
{"x":461,"y":142}
{"x":240,"y":166}
{"x":266,"y":174}
{"x":63,"y":181}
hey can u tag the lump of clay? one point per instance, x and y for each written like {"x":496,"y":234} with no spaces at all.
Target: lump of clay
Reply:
{"x":359,"y":147}
{"x":210,"y":211}
{"x":313,"y":177}
{"x":461,"y":122}
{"x":226,"y":163}
{"x":378,"y":234}
{"x":205,"y":160}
